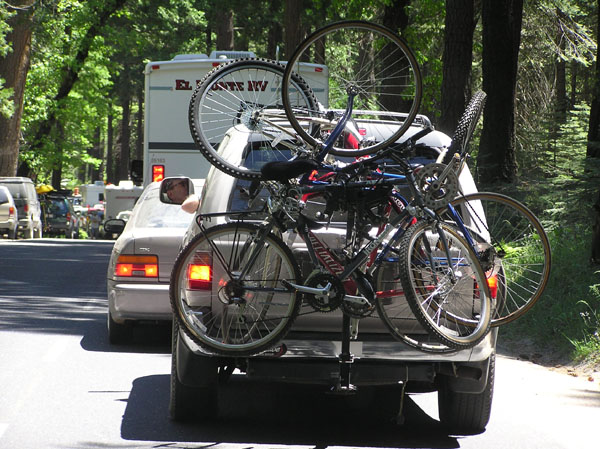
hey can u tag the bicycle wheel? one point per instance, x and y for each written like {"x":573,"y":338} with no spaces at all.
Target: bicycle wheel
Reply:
{"x":449,"y":297}
{"x":226,"y":289}
{"x":242,"y":100}
{"x":466,"y":125}
{"x":378,"y":65}
{"x":513,"y":249}
{"x":394,"y":311}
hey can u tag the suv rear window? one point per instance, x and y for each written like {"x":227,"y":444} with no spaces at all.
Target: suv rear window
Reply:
{"x":257,"y":154}
{"x":58,"y":206}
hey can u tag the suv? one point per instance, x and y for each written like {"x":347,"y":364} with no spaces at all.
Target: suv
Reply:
{"x":59,"y":216}
{"x":9,"y":220}
{"x":28,"y":205}
{"x":310,"y":353}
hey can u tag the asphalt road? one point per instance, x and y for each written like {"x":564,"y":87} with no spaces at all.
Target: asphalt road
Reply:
{"x":63,"y":386}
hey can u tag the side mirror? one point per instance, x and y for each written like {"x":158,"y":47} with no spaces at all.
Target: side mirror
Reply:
{"x":175,"y":190}
{"x":114,"y":226}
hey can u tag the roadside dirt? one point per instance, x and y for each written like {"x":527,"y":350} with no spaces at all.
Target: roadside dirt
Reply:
{"x":549,"y":358}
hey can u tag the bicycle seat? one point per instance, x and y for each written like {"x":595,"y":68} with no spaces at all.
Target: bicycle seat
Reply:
{"x":282,"y":171}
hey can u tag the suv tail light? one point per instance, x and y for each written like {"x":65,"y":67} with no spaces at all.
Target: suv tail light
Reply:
{"x":492,"y":282}
{"x":11,"y":212}
{"x":199,"y":272}
{"x":26,"y":207}
{"x":493,"y":285}
{"x":137,"y":266}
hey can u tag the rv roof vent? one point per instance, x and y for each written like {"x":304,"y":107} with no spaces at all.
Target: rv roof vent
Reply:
{"x":191,"y":56}
{"x":219,"y":54}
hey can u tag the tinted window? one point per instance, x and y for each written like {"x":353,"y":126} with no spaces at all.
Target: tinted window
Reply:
{"x":256,"y":155}
{"x":58,"y":206}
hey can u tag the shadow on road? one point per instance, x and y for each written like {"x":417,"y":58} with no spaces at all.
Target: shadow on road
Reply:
{"x":258,"y":413}
{"x":147,"y":338}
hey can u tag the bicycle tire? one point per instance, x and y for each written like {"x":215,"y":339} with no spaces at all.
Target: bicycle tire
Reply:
{"x":521,"y":258}
{"x":455,"y":311}
{"x":374,"y":60}
{"x":242,"y":94}
{"x":466,"y":126}
{"x":244,"y":309}
{"x":393,"y":309}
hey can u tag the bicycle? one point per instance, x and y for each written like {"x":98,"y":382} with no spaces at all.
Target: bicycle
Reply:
{"x":287,"y":112}
{"x":510,"y":241}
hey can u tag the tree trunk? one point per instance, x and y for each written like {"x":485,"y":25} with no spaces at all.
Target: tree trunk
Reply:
{"x":275,"y":36}
{"x":593,"y":144}
{"x":596,"y":232}
{"x":110,"y":172}
{"x":96,"y":152}
{"x":293,"y":26}
{"x":395,"y":18}
{"x":122,"y":170}
{"x":561,"y":80}
{"x":573,"y":92}
{"x":457,"y":60}
{"x":13,"y":69}
{"x":224,"y":27}
{"x":139,"y":142}
{"x":501,"y":38}
{"x":58,"y":163}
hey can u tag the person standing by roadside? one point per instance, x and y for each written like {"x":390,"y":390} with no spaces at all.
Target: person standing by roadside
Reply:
{"x":94,"y":224}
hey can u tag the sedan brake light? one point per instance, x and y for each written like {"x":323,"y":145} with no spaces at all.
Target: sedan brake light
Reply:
{"x":137,"y":266}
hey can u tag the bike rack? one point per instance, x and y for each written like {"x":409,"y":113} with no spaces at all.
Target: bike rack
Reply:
{"x":346,"y":358}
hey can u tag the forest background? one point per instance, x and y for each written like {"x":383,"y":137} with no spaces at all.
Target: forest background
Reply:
{"x":72,"y":93}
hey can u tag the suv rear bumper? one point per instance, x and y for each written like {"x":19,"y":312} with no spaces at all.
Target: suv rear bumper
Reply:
{"x":375,"y":363}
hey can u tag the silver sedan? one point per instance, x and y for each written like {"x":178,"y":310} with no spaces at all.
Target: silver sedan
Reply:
{"x":141,"y":261}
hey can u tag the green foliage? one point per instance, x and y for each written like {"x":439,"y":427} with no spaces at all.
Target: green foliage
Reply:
{"x":5,"y":14}
{"x":145,"y":30}
{"x":556,"y":320}
{"x":425,"y":36}
{"x":6,"y":103}
{"x":565,"y":317}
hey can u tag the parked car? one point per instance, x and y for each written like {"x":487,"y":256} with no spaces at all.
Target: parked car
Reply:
{"x":59,"y":215}
{"x":28,"y":205}
{"x":9,"y":219}
{"x":141,"y":261}
{"x":310,"y":352}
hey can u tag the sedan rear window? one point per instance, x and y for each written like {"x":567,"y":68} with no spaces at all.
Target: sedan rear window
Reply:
{"x":149,"y":212}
